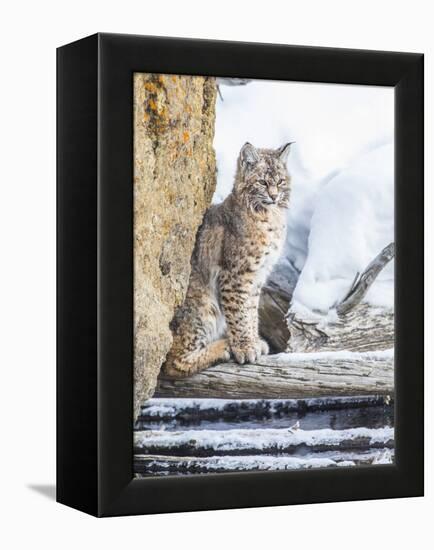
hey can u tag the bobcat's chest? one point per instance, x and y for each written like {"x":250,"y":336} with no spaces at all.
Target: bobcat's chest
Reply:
{"x":270,"y":243}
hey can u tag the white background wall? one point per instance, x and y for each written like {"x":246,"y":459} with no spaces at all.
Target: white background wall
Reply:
{"x":30,"y":32}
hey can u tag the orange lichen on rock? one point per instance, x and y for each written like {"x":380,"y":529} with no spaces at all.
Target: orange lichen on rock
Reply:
{"x":173,"y":186}
{"x":150,"y":87}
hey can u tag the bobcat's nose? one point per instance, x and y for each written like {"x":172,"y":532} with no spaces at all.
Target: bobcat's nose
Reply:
{"x":273,"y":193}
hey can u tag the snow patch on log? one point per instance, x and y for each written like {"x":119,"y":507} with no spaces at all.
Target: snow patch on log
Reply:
{"x":164,"y":465}
{"x":288,"y":357}
{"x":172,"y":407}
{"x":261,"y":439}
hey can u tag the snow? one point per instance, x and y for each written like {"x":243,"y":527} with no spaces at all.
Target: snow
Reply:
{"x":385,"y":457}
{"x":374,"y":456}
{"x":330,"y":123}
{"x":172,"y":406}
{"x":259,"y":438}
{"x":352,"y":222}
{"x":342,"y":355}
{"x":247,"y":463}
{"x":164,"y":464}
{"x":341,"y":210}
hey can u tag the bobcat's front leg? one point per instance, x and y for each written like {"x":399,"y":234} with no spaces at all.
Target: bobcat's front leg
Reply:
{"x":261,"y":345}
{"x":240,"y":299}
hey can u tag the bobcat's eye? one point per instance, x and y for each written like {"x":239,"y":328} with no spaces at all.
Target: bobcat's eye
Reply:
{"x":263,"y":183}
{"x":281,"y":182}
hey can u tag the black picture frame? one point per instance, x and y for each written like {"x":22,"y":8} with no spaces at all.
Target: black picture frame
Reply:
{"x":95,"y":274}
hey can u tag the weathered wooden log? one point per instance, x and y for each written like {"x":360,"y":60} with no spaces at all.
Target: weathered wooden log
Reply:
{"x":191,"y":409}
{"x":362,"y":329}
{"x":337,"y":413}
{"x":358,"y":326}
{"x":146,"y":465}
{"x":286,"y":376}
{"x":247,"y":442}
{"x":274,"y":302}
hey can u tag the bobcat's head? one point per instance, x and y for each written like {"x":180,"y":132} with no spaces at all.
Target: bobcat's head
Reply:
{"x":263,"y":180}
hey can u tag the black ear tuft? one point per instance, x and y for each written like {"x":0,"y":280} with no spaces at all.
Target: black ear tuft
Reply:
{"x":283,"y":152}
{"x":248,"y":155}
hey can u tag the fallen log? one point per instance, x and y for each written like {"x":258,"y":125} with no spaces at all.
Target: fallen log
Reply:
{"x":191,"y":409}
{"x":148,"y":465}
{"x":364,"y":328}
{"x":357,"y":327}
{"x":290,"y":376}
{"x":247,"y":442}
{"x":335,"y":413}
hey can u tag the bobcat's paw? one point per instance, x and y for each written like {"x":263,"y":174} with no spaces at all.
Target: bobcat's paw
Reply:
{"x":172,"y":372}
{"x":247,"y":353}
{"x":222,"y":350}
{"x":262,"y":347}
{"x":226,"y":355}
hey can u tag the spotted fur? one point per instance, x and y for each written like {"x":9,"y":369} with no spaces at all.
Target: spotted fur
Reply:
{"x":236,"y":247}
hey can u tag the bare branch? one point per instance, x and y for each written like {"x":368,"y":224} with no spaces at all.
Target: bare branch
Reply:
{"x":352,"y":287}
{"x":361,"y":284}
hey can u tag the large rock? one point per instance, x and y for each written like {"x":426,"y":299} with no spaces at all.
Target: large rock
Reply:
{"x":174,"y":180}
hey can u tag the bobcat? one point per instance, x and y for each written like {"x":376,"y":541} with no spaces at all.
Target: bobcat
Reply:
{"x":236,"y":247}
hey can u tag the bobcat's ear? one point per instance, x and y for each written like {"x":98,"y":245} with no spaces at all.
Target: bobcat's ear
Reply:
{"x":248,"y":155}
{"x":283,"y":152}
